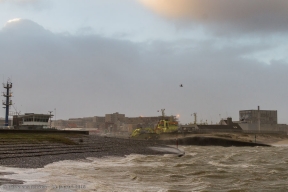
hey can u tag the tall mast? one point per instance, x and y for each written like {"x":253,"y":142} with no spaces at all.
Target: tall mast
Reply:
{"x":195,"y":118}
{"x":163,"y":114}
{"x":8,"y":102}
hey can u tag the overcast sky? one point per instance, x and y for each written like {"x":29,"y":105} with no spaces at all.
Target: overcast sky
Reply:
{"x":92,"y":57}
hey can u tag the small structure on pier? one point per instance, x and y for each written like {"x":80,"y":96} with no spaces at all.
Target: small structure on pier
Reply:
{"x":32,"y":121}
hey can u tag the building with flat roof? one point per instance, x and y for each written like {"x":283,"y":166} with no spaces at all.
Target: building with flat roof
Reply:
{"x":251,"y":116}
{"x":260,"y":120}
{"x":31,"y":121}
{"x":111,"y":122}
{"x":114,"y":117}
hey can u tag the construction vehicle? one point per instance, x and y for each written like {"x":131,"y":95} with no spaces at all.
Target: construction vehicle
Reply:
{"x":163,"y":126}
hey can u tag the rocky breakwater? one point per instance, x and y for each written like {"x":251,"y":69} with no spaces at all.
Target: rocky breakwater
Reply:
{"x":211,"y":141}
{"x":24,"y":153}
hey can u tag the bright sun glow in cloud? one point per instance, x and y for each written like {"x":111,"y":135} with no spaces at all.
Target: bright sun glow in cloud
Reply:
{"x":219,"y":10}
{"x":14,"y":20}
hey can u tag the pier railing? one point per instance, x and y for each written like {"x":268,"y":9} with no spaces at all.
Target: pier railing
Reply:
{"x":203,"y":131}
{"x":264,"y":132}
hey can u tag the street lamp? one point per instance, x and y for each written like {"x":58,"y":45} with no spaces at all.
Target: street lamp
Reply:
{"x":50,"y":118}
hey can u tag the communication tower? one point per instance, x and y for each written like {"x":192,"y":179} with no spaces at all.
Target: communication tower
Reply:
{"x":7,"y":94}
{"x":163,"y":113}
{"x":195,"y":118}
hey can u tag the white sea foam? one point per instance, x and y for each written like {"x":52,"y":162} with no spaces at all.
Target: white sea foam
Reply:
{"x":200,"y":170}
{"x":280,"y":145}
{"x":217,"y":164}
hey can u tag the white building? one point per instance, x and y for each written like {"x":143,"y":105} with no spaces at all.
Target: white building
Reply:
{"x":32,"y":121}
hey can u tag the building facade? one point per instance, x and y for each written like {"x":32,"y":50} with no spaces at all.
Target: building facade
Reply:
{"x":249,"y":121}
{"x":114,"y":117}
{"x":252,"y":116}
{"x":114,"y":122}
{"x":31,"y":121}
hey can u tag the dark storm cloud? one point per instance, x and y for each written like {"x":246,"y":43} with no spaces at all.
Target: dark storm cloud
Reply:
{"x":91,"y":75}
{"x":226,"y":16}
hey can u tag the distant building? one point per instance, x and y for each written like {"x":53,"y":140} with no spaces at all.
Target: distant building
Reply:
{"x":142,"y":120}
{"x":31,"y":121}
{"x":251,"y":116}
{"x":113,"y":118}
{"x":223,"y":126}
{"x":248,"y":120}
{"x":114,"y":122}
{"x":75,"y":123}
{"x":98,"y":120}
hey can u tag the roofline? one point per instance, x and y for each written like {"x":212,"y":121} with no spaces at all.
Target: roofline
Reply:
{"x":33,"y":114}
{"x":256,"y":110}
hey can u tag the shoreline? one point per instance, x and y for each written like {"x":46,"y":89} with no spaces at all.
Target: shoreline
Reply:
{"x":246,"y":138}
{"x":25,"y":155}
{"x":33,"y":156}
{"x":38,"y":155}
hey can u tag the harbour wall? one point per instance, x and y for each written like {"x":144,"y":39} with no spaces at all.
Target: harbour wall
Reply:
{"x":43,"y":131}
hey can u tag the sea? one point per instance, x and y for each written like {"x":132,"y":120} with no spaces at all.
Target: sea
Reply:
{"x":209,"y":168}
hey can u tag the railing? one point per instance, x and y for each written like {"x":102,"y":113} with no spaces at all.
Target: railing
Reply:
{"x":265,"y":132}
{"x":199,"y":131}
{"x":209,"y":131}
{"x":6,"y":127}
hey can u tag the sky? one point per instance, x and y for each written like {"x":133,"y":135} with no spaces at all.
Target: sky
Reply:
{"x":94,"y":57}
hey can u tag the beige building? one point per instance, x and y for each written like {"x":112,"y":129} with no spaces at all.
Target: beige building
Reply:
{"x":98,"y":119}
{"x":110,"y":122}
{"x":113,"y":118}
{"x":249,"y":121}
{"x":251,"y":116}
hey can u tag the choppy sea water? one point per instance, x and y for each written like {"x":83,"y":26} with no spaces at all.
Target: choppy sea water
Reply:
{"x":201,"y":169}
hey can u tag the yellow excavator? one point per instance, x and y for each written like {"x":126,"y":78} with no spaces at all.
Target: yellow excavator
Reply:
{"x":163,"y":126}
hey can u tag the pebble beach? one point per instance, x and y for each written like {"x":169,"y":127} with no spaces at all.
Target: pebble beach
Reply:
{"x":24,"y":155}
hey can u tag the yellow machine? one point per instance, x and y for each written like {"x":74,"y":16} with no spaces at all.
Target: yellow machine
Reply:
{"x":163,"y":126}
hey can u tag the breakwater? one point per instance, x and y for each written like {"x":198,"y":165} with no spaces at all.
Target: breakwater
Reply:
{"x":46,"y":131}
{"x":209,"y":168}
{"x":27,"y":153}
{"x":34,"y":149}
{"x":211,"y":141}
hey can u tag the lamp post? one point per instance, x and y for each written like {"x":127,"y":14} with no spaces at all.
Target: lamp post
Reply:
{"x":50,"y":118}
{"x":55,"y":118}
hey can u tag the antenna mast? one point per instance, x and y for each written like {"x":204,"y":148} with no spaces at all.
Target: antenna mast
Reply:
{"x":8,"y":102}
{"x":195,"y":118}
{"x":163,"y":113}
